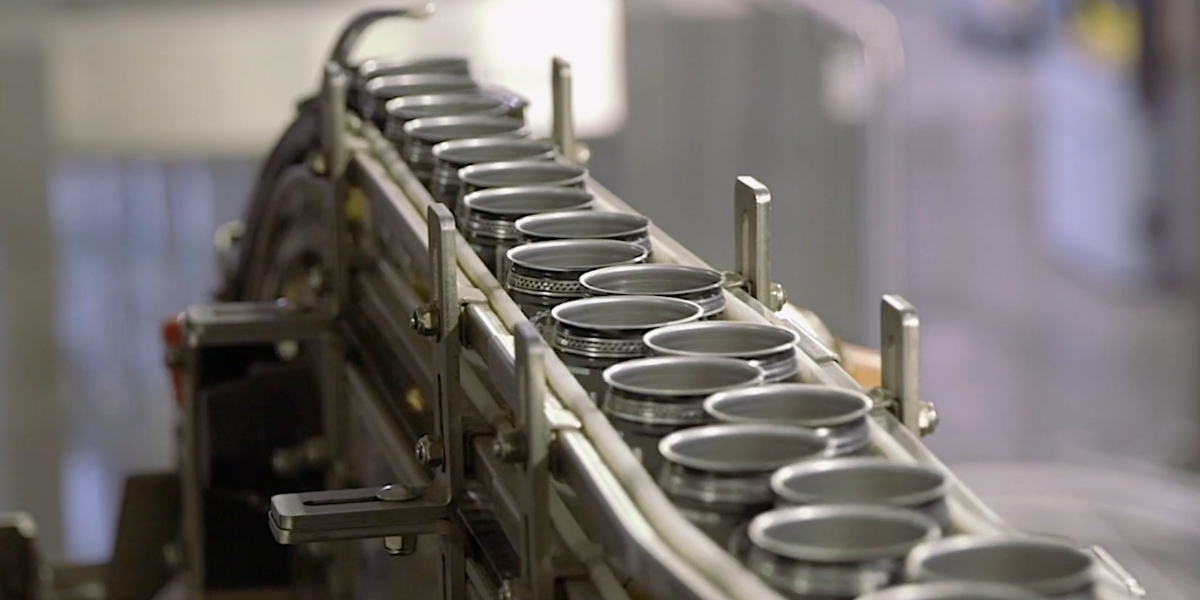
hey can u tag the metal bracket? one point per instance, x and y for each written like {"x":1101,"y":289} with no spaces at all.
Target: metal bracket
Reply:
{"x":563,"y":132}
{"x":393,"y":510}
{"x":900,"y":362}
{"x":337,"y":158}
{"x":239,"y":323}
{"x":449,"y":414}
{"x":536,"y":531}
{"x":752,"y":210}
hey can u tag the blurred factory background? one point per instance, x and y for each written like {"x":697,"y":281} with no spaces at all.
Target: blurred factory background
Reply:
{"x":1022,"y":170}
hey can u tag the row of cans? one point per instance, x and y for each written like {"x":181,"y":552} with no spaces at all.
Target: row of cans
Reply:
{"x":779,"y":472}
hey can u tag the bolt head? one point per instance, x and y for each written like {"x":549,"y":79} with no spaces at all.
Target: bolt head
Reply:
{"x":929,"y":419}
{"x":508,"y":447}
{"x":506,"y":591}
{"x":778,"y":296}
{"x":429,"y":452}
{"x":423,"y":321}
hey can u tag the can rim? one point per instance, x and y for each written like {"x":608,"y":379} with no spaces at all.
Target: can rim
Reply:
{"x":620,"y":253}
{"x":569,"y":174}
{"x":762,"y":532}
{"x":718,"y":405}
{"x":783,"y":480}
{"x":451,"y":150}
{"x":568,"y":313}
{"x":594,"y":280}
{"x":675,"y":447}
{"x":422,"y":128}
{"x":622,"y":225}
{"x":746,"y":373}
{"x":784,"y":339}
{"x":918,"y":564}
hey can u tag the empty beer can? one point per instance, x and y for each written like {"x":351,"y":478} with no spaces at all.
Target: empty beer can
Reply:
{"x":592,"y":334}
{"x":626,"y":227}
{"x":388,"y":65}
{"x":543,"y":275}
{"x":379,"y":90}
{"x":719,"y":475}
{"x":700,"y":285}
{"x":864,"y":480}
{"x":517,"y":173}
{"x":953,"y":590}
{"x":834,"y":552}
{"x":486,"y":217}
{"x":449,"y":157}
{"x":1054,"y":569}
{"x":406,"y":108}
{"x":421,"y":135}
{"x":767,"y":346}
{"x":647,"y":399}
{"x":839,"y":415}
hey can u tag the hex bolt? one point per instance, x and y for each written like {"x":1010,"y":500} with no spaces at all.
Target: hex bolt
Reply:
{"x":929,"y":419}
{"x":506,"y":591}
{"x":508,"y":446}
{"x":400,"y":545}
{"x":778,"y":297}
{"x":429,"y":452}
{"x":423,"y":321}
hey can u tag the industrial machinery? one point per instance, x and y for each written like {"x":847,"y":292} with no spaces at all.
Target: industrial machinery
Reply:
{"x":370,"y":408}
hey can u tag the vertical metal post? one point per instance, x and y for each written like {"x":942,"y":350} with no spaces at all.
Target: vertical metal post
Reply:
{"x":337,"y":156}
{"x":563,"y":125}
{"x":536,"y":570}
{"x":336,"y":412}
{"x":448,"y":417}
{"x":900,"y":361}
{"x":752,"y":211}
{"x":189,"y":471}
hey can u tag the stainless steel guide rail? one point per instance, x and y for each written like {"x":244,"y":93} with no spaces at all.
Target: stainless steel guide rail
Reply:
{"x":400,"y":290}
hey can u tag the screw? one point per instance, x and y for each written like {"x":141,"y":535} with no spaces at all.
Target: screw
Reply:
{"x":287,"y":350}
{"x":316,"y":162}
{"x":778,"y":297}
{"x":423,"y":321}
{"x":508,"y":446}
{"x":399,"y":493}
{"x":400,"y":545}
{"x":317,"y":281}
{"x":429,"y":452}
{"x":506,"y":591}
{"x":928,"y":419}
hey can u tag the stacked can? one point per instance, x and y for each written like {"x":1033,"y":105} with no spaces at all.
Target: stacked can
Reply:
{"x":450,"y":157}
{"x":699,"y":285}
{"x":593,"y":334}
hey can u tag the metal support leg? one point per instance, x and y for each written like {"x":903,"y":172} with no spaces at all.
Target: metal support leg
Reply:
{"x":449,"y":414}
{"x":564,"y":114}
{"x":900,"y":361}
{"x":337,"y":157}
{"x":752,"y":211}
{"x":536,"y":570}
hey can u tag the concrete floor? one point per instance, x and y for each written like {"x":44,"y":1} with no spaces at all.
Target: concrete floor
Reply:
{"x":1025,"y":362}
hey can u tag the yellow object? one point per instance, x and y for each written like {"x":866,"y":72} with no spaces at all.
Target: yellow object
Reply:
{"x":356,"y":206}
{"x":1110,"y":30}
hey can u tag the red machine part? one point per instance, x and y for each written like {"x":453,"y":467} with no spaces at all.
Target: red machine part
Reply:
{"x":172,"y":335}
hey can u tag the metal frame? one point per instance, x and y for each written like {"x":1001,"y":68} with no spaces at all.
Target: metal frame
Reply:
{"x":487,"y":360}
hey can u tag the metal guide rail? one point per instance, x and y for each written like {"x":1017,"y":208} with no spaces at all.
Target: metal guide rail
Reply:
{"x":397,"y":303}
